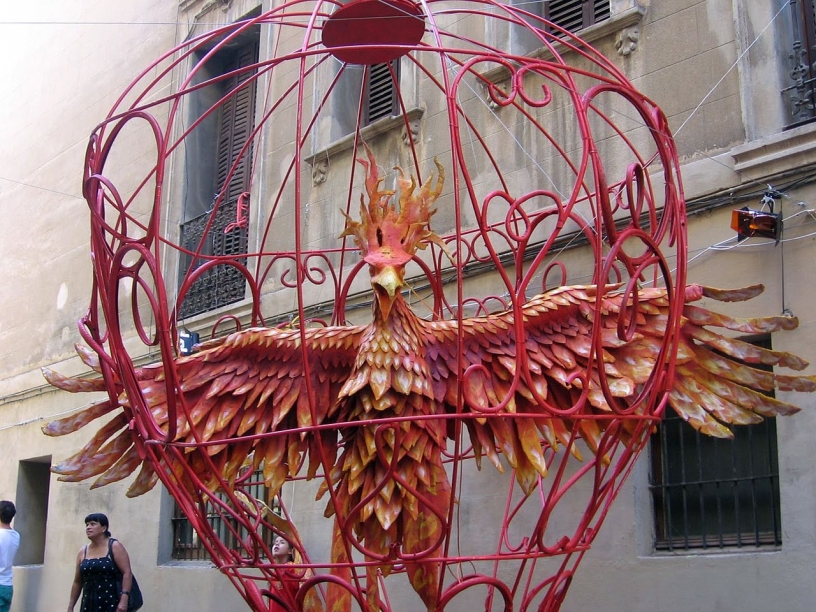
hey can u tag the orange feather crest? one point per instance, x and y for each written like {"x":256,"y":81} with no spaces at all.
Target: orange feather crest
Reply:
{"x":389,"y":235}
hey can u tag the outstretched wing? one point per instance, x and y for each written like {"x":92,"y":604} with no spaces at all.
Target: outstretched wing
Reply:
{"x":234,"y":390}
{"x":545,"y":373}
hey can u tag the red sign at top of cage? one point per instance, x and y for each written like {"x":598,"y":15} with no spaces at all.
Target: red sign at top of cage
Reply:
{"x":373,"y":31}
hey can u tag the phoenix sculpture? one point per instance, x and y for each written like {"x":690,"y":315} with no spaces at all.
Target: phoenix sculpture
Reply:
{"x":400,"y":376}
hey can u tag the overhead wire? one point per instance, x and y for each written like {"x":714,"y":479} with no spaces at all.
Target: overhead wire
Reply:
{"x":733,"y":65}
{"x":24,"y":184}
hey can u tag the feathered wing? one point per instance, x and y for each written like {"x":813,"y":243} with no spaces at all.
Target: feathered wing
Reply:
{"x":715,"y":383}
{"x":247,"y":384}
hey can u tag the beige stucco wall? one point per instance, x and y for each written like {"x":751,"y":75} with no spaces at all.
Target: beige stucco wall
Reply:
{"x":682,"y":53}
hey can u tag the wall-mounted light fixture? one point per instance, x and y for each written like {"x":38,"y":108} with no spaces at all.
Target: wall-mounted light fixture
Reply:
{"x":750,"y":223}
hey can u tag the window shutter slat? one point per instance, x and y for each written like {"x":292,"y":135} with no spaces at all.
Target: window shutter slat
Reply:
{"x":574,"y":15}
{"x":237,"y":115}
{"x":381,"y":94}
{"x":602,"y":11}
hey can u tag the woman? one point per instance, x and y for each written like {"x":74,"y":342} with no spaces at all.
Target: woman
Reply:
{"x":98,"y":567}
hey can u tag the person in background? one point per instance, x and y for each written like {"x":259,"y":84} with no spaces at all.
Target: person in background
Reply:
{"x":9,"y":543}
{"x":98,"y":566}
{"x":289,"y":579}
{"x":282,"y":552}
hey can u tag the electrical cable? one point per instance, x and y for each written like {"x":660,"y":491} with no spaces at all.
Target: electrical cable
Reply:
{"x":49,"y":418}
{"x":24,"y":184}
{"x":734,"y":65}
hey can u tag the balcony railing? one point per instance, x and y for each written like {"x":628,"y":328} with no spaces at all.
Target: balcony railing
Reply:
{"x":222,"y":284}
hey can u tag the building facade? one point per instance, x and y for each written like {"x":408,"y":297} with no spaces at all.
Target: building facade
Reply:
{"x":734,"y":80}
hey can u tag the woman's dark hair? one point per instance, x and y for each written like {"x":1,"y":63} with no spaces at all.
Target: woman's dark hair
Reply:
{"x":98,"y":517}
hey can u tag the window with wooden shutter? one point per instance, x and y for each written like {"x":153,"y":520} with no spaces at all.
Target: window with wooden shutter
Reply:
{"x":223,"y":284}
{"x":236,"y":123}
{"x":574,"y":15}
{"x":381,"y":92}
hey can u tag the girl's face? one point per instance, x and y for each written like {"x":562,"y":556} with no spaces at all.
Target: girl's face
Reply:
{"x":280,"y":547}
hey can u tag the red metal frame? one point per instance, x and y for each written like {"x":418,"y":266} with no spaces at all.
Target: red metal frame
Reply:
{"x":526,"y":565}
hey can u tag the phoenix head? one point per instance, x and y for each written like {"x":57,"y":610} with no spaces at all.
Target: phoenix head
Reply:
{"x":389,"y":234}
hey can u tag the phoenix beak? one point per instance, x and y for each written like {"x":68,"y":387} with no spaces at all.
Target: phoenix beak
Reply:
{"x":386,"y":286}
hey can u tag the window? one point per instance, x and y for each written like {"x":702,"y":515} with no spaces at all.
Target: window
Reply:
{"x":800,"y":93}
{"x":215,"y":147}
{"x":711,"y":493}
{"x":375,"y":85}
{"x":381,"y":94}
{"x":574,"y":15}
{"x":33,"y":487}
{"x":187,"y":545}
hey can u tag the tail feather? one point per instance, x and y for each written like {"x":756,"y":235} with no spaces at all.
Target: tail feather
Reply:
{"x":78,"y":420}
{"x":101,"y":461}
{"x":73,"y":385}
{"x":745,"y":351}
{"x":123,"y":468}
{"x":145,"y":480}
{"x":734,"y":370}
{"x":732,"y":295}
{"x":757,"y":402}
{"x":719,"y":407}
{"x":89,"y":357}
{"x":87,"y":454}
{"x":755,"y":325}
{"x":691,"y":412}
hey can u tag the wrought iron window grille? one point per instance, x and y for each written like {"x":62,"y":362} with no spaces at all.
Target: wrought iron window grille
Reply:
{"x":187,"y":546}
{"x":800,"y":94}
{"x":711,"y":493}
{"x":222,"y":284}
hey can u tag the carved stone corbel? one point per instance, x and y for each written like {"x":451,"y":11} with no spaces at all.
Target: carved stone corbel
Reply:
{"x":627,"y":39}
{"x":319,"y":171}
{"x":410,"y":134}
{"x":503,"y":87}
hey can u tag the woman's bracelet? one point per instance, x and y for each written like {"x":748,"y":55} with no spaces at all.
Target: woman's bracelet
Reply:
{"x":125,"y":593}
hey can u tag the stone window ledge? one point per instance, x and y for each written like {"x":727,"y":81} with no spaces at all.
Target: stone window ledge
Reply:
{"x":367,"y":133}
{"x":777,"y":153}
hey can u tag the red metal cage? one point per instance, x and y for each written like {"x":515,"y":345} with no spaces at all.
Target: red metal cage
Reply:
{"x":558,"y":173}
